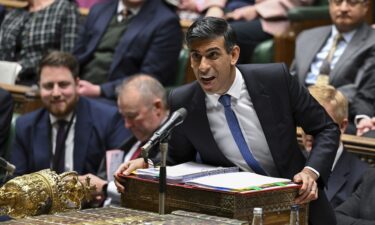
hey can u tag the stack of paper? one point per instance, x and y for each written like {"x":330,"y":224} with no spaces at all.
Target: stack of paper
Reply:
{"x":238,"y":181}
{"x":184,"y":172}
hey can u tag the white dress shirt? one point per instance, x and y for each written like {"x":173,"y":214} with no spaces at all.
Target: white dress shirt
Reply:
{"x":249,"y":124}
{"x":121,"y":7}
{"x":322,"y":54}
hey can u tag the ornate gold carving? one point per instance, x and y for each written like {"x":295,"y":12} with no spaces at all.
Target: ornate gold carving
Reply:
{"x":43,"y":192}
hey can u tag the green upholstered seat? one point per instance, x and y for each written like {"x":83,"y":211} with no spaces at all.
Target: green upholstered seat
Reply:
{"x":181,"y":70}
{"x":264,"y":52}
{"x":8,"y":145}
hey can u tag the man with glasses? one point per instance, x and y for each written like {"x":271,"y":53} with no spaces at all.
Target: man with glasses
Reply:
{"x":341,"y":54}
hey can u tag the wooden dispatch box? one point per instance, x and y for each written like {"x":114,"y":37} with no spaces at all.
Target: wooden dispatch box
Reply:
{"x":144,"y":195}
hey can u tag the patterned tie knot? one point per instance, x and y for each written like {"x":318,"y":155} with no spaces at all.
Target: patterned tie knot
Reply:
{"x":126,"y":13}
{"x":225,"y":100}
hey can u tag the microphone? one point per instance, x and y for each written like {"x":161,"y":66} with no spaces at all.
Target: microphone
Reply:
{"x":9,"y":168}
{"x":176,"y":119}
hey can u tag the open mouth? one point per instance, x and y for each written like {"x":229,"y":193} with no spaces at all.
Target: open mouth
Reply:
{"x":207,"y":78}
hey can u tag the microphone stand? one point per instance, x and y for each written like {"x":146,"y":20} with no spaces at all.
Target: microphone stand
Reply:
{"x":163,"y":145}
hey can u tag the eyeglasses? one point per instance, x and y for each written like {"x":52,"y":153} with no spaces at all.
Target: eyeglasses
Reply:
{"x":350,"y":2}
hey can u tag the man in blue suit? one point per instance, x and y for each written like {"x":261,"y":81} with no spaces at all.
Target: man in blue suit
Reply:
{"x":90,"y":127}
{"x":124,"y":37}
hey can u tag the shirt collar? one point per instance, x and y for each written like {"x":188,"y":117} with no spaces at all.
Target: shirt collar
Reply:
{"x":121,"y":7}
{"x":54,"y":119}
{"x":338,"y":155}
{"x":234,"y":91}
{"x":347,"y":36}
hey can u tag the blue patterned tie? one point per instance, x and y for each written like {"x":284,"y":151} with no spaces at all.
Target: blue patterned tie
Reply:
{"x":238,"y":136}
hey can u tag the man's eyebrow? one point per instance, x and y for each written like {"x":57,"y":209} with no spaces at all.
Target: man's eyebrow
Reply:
{"x":208,"y":50}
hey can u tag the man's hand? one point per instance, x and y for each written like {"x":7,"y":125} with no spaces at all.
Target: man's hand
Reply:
{"x":309,"y":189}
{"x":188,"y":5}
{"x":307,"y":141}
{"x":126,"y":169}
{"x":215,"y":11}
{"x":88,"y":89}
{"x":365,"y":125}
{"x":94,"y":180}
{"x":99,"y":183}
{"x":247,"y":12}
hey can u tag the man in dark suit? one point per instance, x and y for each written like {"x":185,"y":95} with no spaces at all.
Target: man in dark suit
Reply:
{"x":350,"y":59}
{"x":347,"y":169}
{"x":124,"y":37}
{"x":6,"y":112}
{"x":268,"y":103}
{"x":43,"y":141}
{"x":142,"y":102}
{"x":358,"y":209}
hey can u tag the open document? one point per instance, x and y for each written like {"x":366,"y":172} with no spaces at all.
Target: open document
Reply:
{"x":186,"y":171}
{"x":238,"y":181}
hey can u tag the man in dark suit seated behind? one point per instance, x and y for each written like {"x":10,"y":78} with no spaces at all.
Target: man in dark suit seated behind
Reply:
{"x":268,"y":103}
{"x":341,"y":54}
{"x":124,"y":37}
{"x":358,"y":209}
{"x":70,"y":132}
{"x":347,"y":169}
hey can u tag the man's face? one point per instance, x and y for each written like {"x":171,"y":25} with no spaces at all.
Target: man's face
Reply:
{"x":140,"y":117}
{"x":213,"y":67}
{"x":347,"y":14}
{"x":58,"y":90}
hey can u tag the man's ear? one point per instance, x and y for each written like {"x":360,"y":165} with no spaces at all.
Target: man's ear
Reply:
{"x":344,"y":125}
{"x":235,"y":53}
{"x":158,"y":105}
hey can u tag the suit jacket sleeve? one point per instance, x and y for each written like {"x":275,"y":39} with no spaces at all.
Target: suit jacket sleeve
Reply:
{"x":352,"y":210}
{"x":20,"y":153}
{"x":314,"y":120}
{"x":364,"y":99}
{"x":6,"y":111}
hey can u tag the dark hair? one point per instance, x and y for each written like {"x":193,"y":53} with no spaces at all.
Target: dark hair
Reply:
{"x":211,"y":28}
{"x":59,"y":59}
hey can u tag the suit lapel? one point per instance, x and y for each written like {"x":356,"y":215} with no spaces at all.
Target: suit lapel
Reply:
{"x":349,"y":52}
{"x":260,"y":99}
{"x":82,"y":134}
{"x":101,"y":25}
{"x":312,"y":48}
{"x":136,"y":25}
{"x":338,"y":176}
{"x":42,"y":147}
{"x":197,"y":111}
